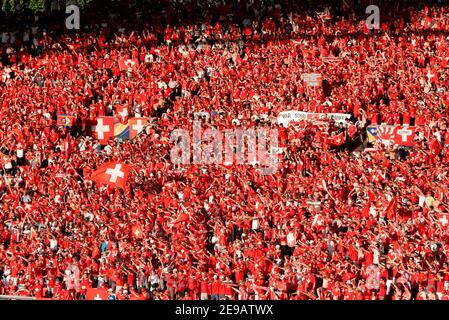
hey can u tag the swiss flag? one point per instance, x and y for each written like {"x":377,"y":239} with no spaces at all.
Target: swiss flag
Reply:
{"x":128,"y":64}
{"x":136,"y":126}
{"x":103,"y":129}
{"x":404,"y":136}
{"x":136,"y":231}
{"x":122,"y":114}
{"x":96,"y":294}
{"x":352,"y":130}
{"x":112,"y":173}
{"x":431,"y":75}
{"x":443,"y":218}
{"x":337,"y":140}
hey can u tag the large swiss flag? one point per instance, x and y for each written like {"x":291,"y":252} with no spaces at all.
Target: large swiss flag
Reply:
{"x":103,"y":129}
{"x":112,"y":173}
{"x":96,"y":294}
{"x":404,"y":136}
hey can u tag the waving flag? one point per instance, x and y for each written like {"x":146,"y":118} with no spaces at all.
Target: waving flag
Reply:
{"x":443,"y":218}
{"x":96,"y":294}
{"x":121,"y":131}
{"x":136,"y":231}
{"x":429,"y":23}
{"x":372,"y":133}
{"x":431,"y":75}
{"x":65,"y":120}
{"x":122,"y":114}
{"x":352,"y":130}
{"x":128,"y":64}
{"x":136,"y":126}
{"x":404,"y":136}
{"x":390,"y":212}
{"x":385,"y":135}
{"x":103,"y":129}
{"x":112,"y":173}
{"x":337,"y":140}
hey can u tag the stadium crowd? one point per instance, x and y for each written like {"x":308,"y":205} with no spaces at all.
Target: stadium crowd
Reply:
{"x":331,"y":223}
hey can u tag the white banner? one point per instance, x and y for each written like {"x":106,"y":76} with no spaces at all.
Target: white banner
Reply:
{"x":285,"y":117}
{"x":312,"y":79}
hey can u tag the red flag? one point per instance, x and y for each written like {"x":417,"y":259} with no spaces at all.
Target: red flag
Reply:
{"x":429,"y":23}
{"x":103,"y":130}
{"x":431,"y":75}
{"x":435,"y":147}
{"x":65,"y":120}
{"x":136,"y":231}
{"x":136,"y":126}
{"x":352,"y":130}
{"x":337,"y":140}
{"x":443,"y":218}
{"x":112,"y":173}
{"x":97,"y":294}
{"x":128,"y":64}
{"x":390,"y":212}
{"x":122,"y":114}
{"x":404,"y":136}
{"x":181,"y":218}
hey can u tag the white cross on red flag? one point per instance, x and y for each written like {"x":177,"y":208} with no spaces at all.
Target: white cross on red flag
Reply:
{"x":136,"y":126}
{"x":96,"y":294}
{"x":443,"y":218}
{"x":431,"y":75}
{"x":137,"y":231}
{"x":122,"y":114}
{"x":404,"y":136}
{"x":337,"y":140}
{"x":103,"y":129}
{"x":112,"y":173}
{"x":128,"y":64}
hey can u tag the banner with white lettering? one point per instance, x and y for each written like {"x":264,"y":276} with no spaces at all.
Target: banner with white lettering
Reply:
{"x":285,"y":117}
